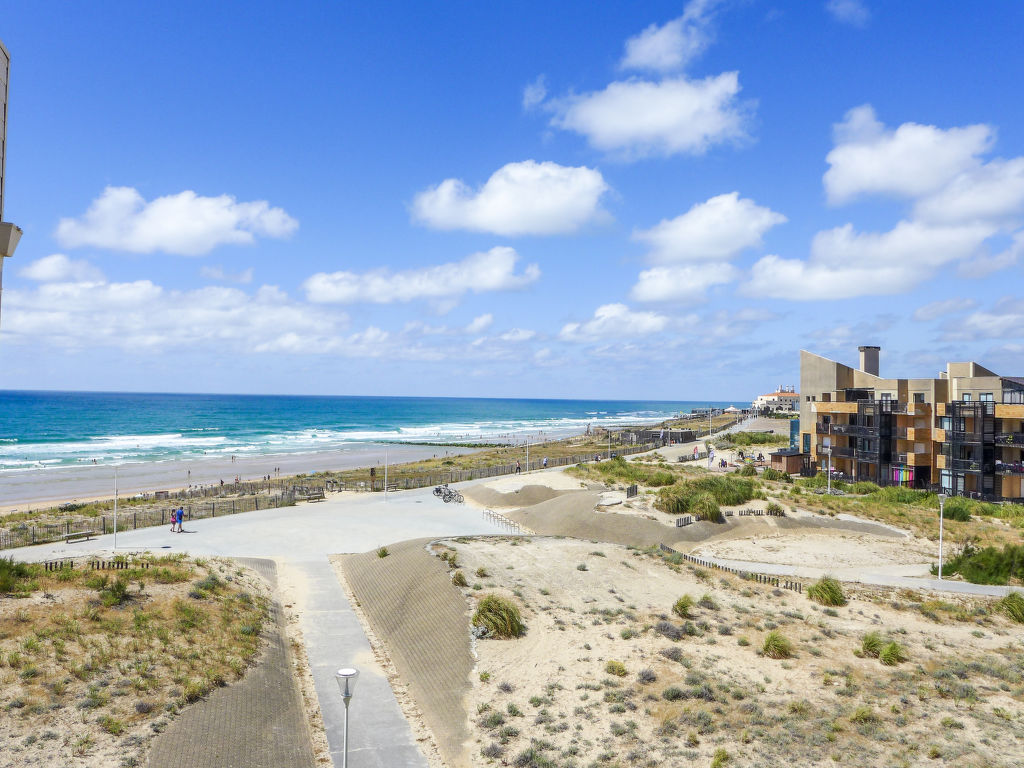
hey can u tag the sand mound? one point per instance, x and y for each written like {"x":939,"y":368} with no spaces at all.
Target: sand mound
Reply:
{"x":423,"y":620}
{"x":526,"y":496}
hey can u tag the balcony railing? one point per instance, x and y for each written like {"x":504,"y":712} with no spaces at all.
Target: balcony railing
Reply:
{"x":968,"y":465}
{"x":954,"y":435}
{"x":1010,"y":468}
{"x":846,"y":429}
{"x":844,"y":452}
{"x":1010,"y":438}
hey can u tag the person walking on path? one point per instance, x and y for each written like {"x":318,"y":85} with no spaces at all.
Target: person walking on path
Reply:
{"x":518,"y":467}
{"x":181,"y":518}
{"x":545,"y":462}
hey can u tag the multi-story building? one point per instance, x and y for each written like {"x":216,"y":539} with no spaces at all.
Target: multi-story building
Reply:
{"x":962,"y":432}
{"x":783,"y":399}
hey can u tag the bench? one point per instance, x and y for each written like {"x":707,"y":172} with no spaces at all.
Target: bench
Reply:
{"x":78,"y":536}
{"x":316,"y":496}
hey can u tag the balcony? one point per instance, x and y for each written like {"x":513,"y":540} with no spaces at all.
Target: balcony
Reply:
{"x":832,"y":407}
{"x":957,"y":436}
{"x":939,"y":435}
{"x":1010,"y":468}
{"x":966,"y":465}
{"x":1014,"y":411}
{"x":838,"y":451}
{"x":919,"y":434}
{"x":919,"y":409}
{"x":845,"y":429}
{"x":913,"y":459}
{"x":1010,"y":438}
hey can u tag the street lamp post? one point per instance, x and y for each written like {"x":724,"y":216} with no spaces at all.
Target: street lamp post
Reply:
{"x":346,"y":679}
{"x":828,"y":450}
{"x":942,"y":515}
{"x":115,"y":506}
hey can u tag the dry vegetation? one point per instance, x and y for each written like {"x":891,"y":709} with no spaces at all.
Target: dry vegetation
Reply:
{"x":94,"y":663}
{"x":633,"y":659}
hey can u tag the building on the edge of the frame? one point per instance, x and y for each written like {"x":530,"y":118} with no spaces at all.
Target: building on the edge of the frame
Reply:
{"x":962,"y":432}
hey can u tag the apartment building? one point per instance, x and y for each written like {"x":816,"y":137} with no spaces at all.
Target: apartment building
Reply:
{"x":962,"y":432}
{"x":783,"y":399}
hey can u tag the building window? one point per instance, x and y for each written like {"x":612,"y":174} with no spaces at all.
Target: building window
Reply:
{"x":919,"y":397}
{"x":886,"y":396}
{"x":986,"y":397}
{"x":967,"y":397}
{"x":827,"y":397}
{"x":807,"y":443}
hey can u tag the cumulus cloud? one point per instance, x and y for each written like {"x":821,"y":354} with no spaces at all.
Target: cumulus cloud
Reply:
{"x":690,"y":282}
{"x":492,"y":270}
{"x":846,"y":263}
{"x":480,"y":323}
{"x":517,"y":335}
{"x":535,"y":92}
{"x":218,"y":273}
{"x":993,"y":191}
{"x":614,"y":320}
{"x":186,"y":224}
{"x":637,"y":118}
{"x":672,"y":45}
{"x":718,"y":228}
{"x":1004,"y":321}
{"x":141,"y":316}
{"x":525,"y":198}
{"x":911,"y":161}
{"x":943,"y":308}
{"x":59,"y":268}
{"x":852,"y":12}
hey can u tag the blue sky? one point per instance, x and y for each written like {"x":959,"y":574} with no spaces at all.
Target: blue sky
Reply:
{"x":619,"y":200}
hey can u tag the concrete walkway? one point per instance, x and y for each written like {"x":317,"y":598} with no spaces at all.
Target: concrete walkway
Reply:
{"x":257,"y":722}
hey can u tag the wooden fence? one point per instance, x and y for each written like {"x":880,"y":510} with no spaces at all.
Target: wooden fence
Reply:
{"x":760,"y":578}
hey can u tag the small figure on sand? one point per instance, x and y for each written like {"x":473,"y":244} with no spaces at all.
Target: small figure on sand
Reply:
{"x":545,"y":462}
{"x":518,"y":467}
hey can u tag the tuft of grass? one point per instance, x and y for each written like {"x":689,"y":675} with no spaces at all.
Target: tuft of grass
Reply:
{"x":645,"y":676}
{"x":892,"y":653}
{"x":827,"y":591}
{"x":708,"y":602}
{"x":776,"y":646}
{"x":865,"y":716}
{"x":482,"y":573}
{"x":721,"y":757}
{"x":1013,"y":606}
{"x":499,"y":617}
{"x":683,"y":607}
{"x":616,"y":668}
{"x":13,"y":575}
{"x":871,"y":644}
{"x":382,"y":552}
{"x":581,"y":567}
{"x":459,"y":579}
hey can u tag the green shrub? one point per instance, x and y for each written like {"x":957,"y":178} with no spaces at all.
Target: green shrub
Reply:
{"x":727,"y":490}
{"x":871,"y":644}
{"x":827,"y":591}
{"x":673,"y":693}
{"x":459,"y":579}
{"x":957,"y":508}
{"x":863,"y":487}
{"x":892,"y":653}
{"x":499,"y":617}
{"x":776,"y":474}
{"x":14,"y":574}
{"x":773,"y":507}
{"x":616,"y":668}
{"x":747,"y":470}
{"x":683,"y":606}
{"x":756,"y":438}
{"x":897,"y":494}
{"x":864,"y":716}
{"x":721,"y":757}
{"x":988,"y":565}
{"x":1013,"y":606}
{"x":705,"y":506}
{"x":114,"y":593}
{"x":382,"y":552}
{"x":776,"y":646}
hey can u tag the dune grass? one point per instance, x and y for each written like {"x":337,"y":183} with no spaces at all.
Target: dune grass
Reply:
{"x":500,"y":617}
{"x":827,"y":591}
{"x":726,"y":490}
{"x":777,"y":646}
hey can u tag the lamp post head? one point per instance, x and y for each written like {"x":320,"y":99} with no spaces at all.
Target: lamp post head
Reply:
{"x":346,"y":679}
{"x":942,"y":497}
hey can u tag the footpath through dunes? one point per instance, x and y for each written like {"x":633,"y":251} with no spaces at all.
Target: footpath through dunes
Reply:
{"x":422,"y":620}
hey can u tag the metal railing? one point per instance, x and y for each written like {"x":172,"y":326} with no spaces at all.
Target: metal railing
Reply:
{"x":1010,"y":438}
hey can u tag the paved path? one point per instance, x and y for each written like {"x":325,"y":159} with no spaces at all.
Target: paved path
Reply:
{"x":379,"y":735}
{"x":257,"y":722}
{"x":423,"y":620}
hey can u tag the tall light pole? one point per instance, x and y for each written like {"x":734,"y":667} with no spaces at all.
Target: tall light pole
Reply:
{"x":942,"y":515}
{"x":346,"y":679}
{"x":385,"y":474}
{"x":115,"y":506}
{"x":10,"y":234}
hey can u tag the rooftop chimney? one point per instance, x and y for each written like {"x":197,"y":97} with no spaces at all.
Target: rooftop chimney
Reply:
{"x":869,"y":359}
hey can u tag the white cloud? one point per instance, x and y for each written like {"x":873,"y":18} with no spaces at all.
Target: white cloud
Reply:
{"x":718,"y":228}
{"x":636,"y":118}
{"x":535,"y":92}
{"x":983,"y":264}
{"x":852,"y":12}
{"x":1004,"y":321}
{"x":672,"y":45}
{"x":517,"y":335}
{"x":994,"y":190}
{"x":480,"y":323}
{"x":614,"y":320}
{"x":943,"y":308}
{"x":492,"y":270}
{"x":186,"y":223}
{"x":912,"y":161}
{"x":59,"y":268}
{"x":141,"y":316}
{"x":525,"y":198}
{"x":690,"y":282}
{"x":217,"y":273}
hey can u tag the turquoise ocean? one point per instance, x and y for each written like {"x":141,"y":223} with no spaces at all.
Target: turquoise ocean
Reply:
{"x":53,"y":430}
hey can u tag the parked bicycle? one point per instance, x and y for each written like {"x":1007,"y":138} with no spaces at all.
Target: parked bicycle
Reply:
{"x":448,"y":495}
